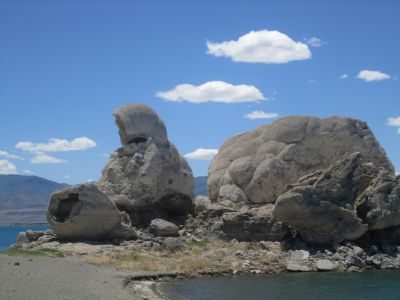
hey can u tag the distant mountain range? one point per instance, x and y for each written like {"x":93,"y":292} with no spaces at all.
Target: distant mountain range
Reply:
{"x":24,"y":199}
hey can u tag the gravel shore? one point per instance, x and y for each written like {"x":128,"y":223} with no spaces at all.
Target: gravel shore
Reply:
{"x":65,"y":278}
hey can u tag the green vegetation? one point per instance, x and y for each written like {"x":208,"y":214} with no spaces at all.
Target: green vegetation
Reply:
{"x":37,"y":252}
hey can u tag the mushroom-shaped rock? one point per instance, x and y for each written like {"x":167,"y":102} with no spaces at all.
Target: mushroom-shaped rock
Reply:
{"x":254,"y":167}
{"x":85,"y":213}
{"x":323,"y":209}
{"x":137,"y":122}
{"x":147,"y":177}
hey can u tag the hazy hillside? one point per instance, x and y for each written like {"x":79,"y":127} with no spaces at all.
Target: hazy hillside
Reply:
{"x":25,"y":198}
{"x":200,"y":186}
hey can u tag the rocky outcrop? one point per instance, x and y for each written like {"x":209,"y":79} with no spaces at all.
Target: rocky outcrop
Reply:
{"x":379,"y":205}
{"x":325,"y":211}
{"x":144,"y":180}
{"x":342,"y":202}
{"x":85,"y":213}
{"x":147,"y":177}
{"x":254,"y":167}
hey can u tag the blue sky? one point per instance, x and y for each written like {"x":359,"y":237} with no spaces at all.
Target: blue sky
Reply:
{"x":66,"y":65}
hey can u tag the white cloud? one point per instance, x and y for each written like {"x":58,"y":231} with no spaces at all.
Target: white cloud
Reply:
{"x":7,"y":167}
{"x":57,"y":145}
{"x":66,"y":176}
{"x":315,"y":42}
{"x":213,"y":91}
{"x":47,"y":159}
{"x":9,"y":155}
{"x":258,"y":114}
{"x":394,"y":121}
{"x":311,"y":81}
{"x":369,"y":75}
{"x":26,"y":171}
{"x":343,"y":76}
{"x":203,"y":154}
{"x":264,"y":46}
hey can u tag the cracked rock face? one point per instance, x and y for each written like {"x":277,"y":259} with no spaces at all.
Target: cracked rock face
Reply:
{"x":84,"y":213}
{"x":254,"y":167}
{"x":147,"y":177}
{"x":323,"y":210}
{"x":380,"y":203}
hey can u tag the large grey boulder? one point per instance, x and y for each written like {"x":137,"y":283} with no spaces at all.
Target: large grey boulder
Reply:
{"x":254,"y":167}
{"x":324,"y":212}
{"x":147,"y":177}
{"x":160,"y":227}
{"x":379,"y":205}
{"x":85,"y":213}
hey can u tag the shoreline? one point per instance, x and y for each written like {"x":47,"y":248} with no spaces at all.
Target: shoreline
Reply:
{"x":24,"y":224}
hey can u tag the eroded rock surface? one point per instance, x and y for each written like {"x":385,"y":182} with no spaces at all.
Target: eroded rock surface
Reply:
{"x":254,"y":167}
{"x":380,"y":203}
{"x":342,"y":202}
{"x":147,"y":177}
{"x":85,"y":213}
{"x":325,"y":212}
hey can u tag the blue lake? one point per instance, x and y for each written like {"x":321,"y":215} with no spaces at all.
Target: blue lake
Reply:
{"x":382,"y":284}
{"x":8,"y":234}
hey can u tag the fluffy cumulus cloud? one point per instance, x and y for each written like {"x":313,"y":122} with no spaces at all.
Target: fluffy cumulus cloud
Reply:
{"x":394,"y":121}
{"x":258,"y":114}
{"x":343,"y":76}
{"x":201,"y":153}
{"x":315,"y":42}
{"x":57,"y":145}
{"x":213,"y":91}
{"x":9,"y":155}
{"x":47,"y":159}
{"x":7,"y":167}
{"x":264,"y":46}
{"x":369,"y":75}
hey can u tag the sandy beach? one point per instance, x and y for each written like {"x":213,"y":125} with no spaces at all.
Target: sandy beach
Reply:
{"x":65,"y":278}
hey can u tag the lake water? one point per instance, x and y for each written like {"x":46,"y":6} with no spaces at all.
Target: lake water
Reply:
{"x":384,"y":284}
{"x":8,"y":234}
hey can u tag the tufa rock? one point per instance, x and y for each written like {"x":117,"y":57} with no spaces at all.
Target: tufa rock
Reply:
{"x":325,"y":212}
{"x":253,"y":224}
{"x":147,"y":177}
{"x":380,"y":203}
{"x":254,"y":167}
{"x":324,"y":265}
{"x":85,"y":213}
{"x":159,"y":227}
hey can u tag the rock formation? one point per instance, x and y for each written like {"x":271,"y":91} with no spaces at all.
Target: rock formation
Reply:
{"x":342,"y":202}
{"x":379,"y":205}
{"x":144,"y":180}
{"x":147,"y":177}
{"x":84,"y":213}
{"x":254,"y":167}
